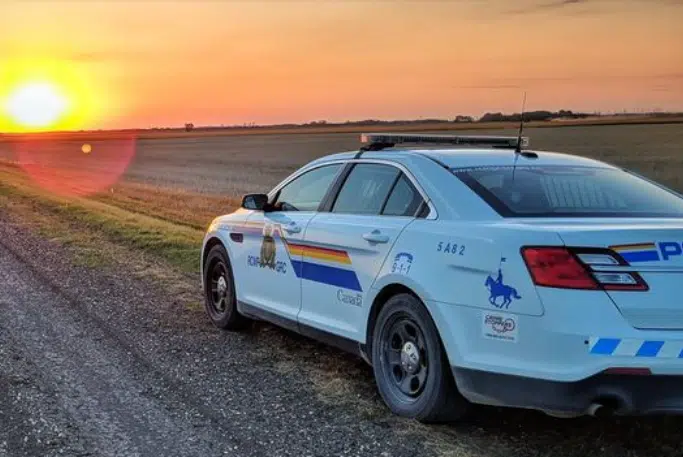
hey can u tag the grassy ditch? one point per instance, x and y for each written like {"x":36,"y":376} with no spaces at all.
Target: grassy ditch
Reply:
{"x":177,"y":243}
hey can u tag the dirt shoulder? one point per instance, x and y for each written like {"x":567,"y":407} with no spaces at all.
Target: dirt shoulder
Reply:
{"x":105,"y":350}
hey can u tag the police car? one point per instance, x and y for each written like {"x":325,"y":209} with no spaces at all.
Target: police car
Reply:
{"x":468,"y":269}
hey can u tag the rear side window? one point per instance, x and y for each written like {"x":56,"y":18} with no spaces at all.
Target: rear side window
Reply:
{"x":560,"y":191}
{"x":366,"y":189}
{"x":404,"y":199}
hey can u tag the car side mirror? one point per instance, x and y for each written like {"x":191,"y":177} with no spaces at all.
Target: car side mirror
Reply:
{"x":258,"y":202}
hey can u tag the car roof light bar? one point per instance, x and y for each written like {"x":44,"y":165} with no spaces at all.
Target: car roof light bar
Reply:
{"x":379,"y":141}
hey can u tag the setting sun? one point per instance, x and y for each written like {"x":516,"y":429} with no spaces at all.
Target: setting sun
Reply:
{"x":40,"y":94}
{"x":37,"y":105}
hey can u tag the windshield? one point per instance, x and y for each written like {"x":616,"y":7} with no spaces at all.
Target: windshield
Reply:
{"x":562,"y":191}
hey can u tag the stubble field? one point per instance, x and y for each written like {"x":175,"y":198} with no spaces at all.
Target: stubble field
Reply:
{"x":191,"y":179}
{"x":233,"y":165}
{"x":129,"y":203}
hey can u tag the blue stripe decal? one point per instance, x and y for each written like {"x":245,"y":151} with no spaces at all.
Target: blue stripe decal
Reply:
{"x":327,"y":275}
{"x":650,"y":349}
{"x":605,"y":346}
{"x":636,"y":348}
{"x":640,"y":256}
{"x":297,"y":265}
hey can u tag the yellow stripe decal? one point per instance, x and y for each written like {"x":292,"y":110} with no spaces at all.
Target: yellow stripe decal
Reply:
{"x":634,"y":247}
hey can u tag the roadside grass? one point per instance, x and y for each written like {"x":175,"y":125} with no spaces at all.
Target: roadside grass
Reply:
{"x":178,"y":206}
{"x":179,"y":245}
{"x":336,"y":384}
{"x":55,"y":230}
{"x":90,"y":247}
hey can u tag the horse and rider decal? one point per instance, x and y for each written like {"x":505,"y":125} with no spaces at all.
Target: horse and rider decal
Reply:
{"x":497,"y":289}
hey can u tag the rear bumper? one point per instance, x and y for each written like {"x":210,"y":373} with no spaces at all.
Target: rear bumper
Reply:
{"x":623,"y":394}
{"x":561,"y":345}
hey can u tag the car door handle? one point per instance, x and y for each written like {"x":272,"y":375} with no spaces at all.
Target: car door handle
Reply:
{"x":376,"y":237}
{"x":292,"y":228}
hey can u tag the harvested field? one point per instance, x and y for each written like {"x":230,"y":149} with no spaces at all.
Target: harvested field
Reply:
{"x":232,"y":165}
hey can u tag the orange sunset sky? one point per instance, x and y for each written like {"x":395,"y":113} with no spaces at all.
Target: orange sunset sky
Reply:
{"x":154,"y":63}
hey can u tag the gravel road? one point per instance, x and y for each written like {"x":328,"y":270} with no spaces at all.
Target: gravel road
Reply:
{"x":99,"y":363}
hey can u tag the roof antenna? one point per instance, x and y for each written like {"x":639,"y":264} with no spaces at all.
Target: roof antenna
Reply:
{"x":518,"y":149}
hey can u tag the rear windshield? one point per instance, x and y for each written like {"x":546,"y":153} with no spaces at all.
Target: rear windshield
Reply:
{"x":559,"y":191}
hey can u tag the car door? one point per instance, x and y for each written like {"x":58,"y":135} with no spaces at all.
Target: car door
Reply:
{"x":272,"y":282}
{"x":344,"y":249}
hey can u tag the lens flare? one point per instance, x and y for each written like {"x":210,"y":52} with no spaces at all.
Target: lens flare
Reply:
{"x":64,"y":167}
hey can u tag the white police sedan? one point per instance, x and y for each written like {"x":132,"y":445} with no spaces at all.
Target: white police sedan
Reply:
{"x":477,"y":272}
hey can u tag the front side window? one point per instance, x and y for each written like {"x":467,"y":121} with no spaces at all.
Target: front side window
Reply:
{"x":366,"y":189}
{"x":305,"y":192}
{"x":564,"y":191}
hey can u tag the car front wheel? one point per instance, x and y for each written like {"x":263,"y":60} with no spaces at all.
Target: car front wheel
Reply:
{"x":411,"y":370}
{"x":219,"y":291}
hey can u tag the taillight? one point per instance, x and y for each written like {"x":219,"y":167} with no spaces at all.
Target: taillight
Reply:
{"x":557,"y":267}
{"x":577,"y":268}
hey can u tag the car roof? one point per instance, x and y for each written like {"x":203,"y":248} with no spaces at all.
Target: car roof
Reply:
{"x":472,"y":157}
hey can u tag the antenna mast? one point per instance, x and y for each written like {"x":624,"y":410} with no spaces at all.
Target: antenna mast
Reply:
{"x":518,"y":149}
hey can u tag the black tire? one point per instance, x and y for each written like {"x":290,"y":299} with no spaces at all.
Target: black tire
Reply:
{"x":219,"y":291}
{"x":411,"y":369}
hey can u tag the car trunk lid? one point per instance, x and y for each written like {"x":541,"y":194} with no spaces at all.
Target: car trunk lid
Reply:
{"x":653,"y":248}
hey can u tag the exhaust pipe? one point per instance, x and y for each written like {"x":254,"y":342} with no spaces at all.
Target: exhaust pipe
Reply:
{"x":604,"y":407}
{"x":595,"y":409}
{"x":601,"y":407}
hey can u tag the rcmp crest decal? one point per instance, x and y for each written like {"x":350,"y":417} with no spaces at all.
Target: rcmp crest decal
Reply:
{"x":268,"y":248}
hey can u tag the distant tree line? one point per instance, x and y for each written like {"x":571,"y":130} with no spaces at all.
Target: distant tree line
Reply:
{"x":529,"y":116}
{"x":488,"y":117}
{"x":532,"y":116}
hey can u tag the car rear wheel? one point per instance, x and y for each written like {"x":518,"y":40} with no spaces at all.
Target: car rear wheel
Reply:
{"x":219,"y":291}
{"x":411,"y":370}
